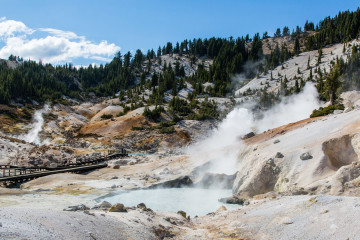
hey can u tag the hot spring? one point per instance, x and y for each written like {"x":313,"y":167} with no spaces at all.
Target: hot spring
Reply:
{"x":194,"y":201}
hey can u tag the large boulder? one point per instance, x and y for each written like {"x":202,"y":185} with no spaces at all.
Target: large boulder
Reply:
{"x":118,"y":207}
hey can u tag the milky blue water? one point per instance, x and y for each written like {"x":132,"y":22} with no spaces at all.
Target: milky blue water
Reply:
{"x":194,"y":201}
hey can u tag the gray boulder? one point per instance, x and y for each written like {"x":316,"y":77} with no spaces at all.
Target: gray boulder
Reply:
{"x":232,"y":200}
{"x":80,"y":207}
{"x":305,"y":156}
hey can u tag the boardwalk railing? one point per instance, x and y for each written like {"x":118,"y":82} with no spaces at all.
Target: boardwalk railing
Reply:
{"x":10,"y":173}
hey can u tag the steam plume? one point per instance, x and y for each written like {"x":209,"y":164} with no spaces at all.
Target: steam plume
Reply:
{"x":224,"y":145}
{"x":38,"y":121}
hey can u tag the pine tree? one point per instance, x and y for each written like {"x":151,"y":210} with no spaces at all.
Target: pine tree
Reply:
{"x":286,"y":31}
{"x":320,"y":52}
{"x":297,"y":88}
{"x":297,"y":47}
{"x":277,"y":33}
{"x":333,"y":83}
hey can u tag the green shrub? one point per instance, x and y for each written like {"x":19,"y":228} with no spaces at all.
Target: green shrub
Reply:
{"x":106,"y":116}
{"x":120,"y":114}
{"x":167,"y":124}
{"x":167,"y":130}
{"x":137,"y":128}
{"x":326,"y":111}
{"x":153,"y":114}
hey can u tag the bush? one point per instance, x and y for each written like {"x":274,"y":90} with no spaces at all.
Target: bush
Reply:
{"x":167,"y":130}
{"x":167,"y":124}
{"x":120,"y":114}
{"x":106,"y":116}
{"x":153,"y":114}
{"x":326,"y":111}
{"x":137,"y":128}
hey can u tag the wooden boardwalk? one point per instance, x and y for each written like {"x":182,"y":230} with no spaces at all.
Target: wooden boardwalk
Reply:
{"x":20,"y":174}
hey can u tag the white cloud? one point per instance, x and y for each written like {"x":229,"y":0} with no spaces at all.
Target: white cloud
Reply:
{"x":9,"y":28}
{"x":61,"y":33}
{"x":57,"y":47}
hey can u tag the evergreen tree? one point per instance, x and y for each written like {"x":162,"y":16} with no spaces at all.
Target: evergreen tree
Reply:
{"x":286,"y":31}
{"x":277,"y":33}
{"x":297,"y":47}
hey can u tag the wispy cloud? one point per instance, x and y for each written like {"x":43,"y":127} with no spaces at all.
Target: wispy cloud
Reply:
{"x":57,"y":46}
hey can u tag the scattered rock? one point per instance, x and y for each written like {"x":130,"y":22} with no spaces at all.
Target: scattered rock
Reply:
{"x":104,"y":205}
{"x":249,"y":135}
{"x":182,"y":213}
{"x":279,"y":155}
{"x":232,"y":200}
{"x":115,"y":177}
{"x":88,"y":213}
{"x":119,"y":207}
{"x":143,"y":207}
{"x":305,"y":156}
{"x":80,"y":207}
{"x":116,"y":167}
{"x":161,"y":232}
{"x":221,"y":209}
{"x":338,"y":111}
{"x":270,"y":161}
{"x":276,"y":141}
{"x":287,"y":222}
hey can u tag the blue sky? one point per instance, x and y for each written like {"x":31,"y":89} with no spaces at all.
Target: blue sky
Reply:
{"x":85,"y":32}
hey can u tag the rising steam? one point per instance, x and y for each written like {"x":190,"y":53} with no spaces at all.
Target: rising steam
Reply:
{"x":222,"y":148}
{"x":38,"y":122}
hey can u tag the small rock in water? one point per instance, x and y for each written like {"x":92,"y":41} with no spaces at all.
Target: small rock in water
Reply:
{"x":182,"y":213}
{"x":104,"y":205}
{"x":232,"y":200}
{"x":142,"y":206}
{"x":115,"y":177}
{"x":279,"y":155}
{"x":221,"y":209}
{"x":276,"y":141}
{"x":305,"y":156}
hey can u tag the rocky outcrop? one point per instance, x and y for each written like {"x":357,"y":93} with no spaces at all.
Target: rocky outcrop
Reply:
{"x":176,"y":183}
{"x":261,"y":180}
{"x":340,"y":151}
